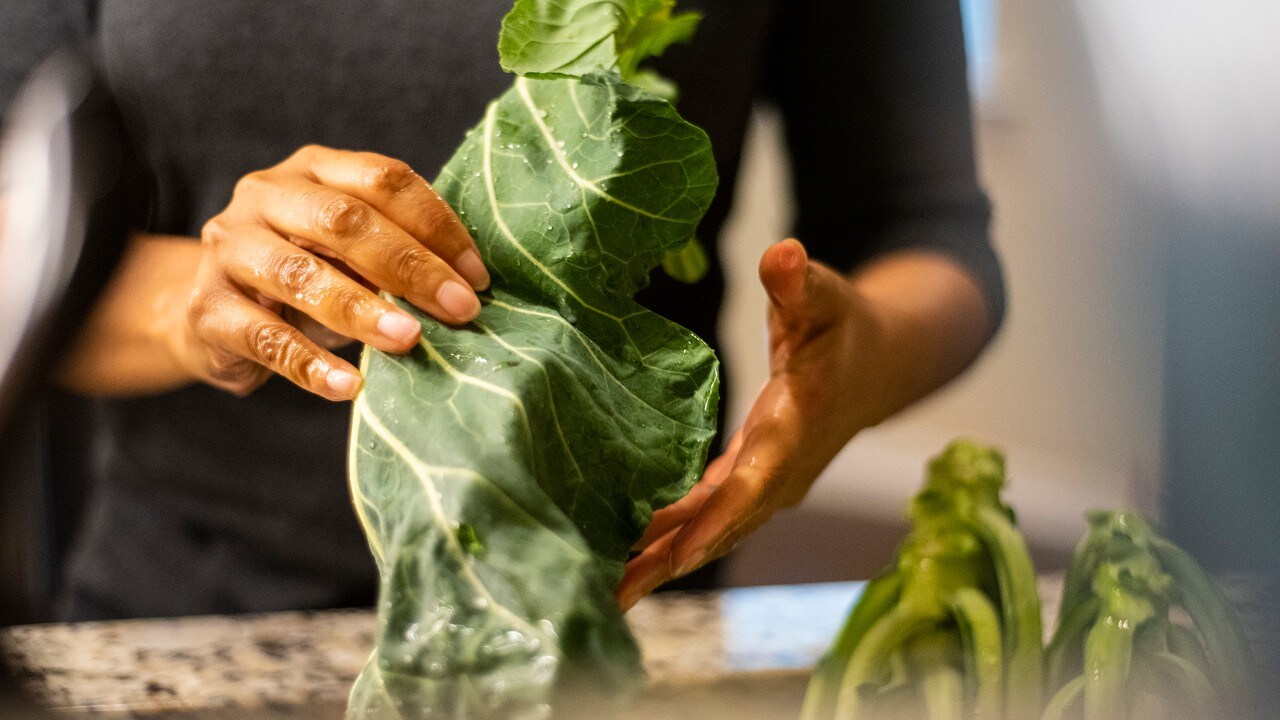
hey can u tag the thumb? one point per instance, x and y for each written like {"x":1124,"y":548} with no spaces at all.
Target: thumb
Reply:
{"x":805,"y":295}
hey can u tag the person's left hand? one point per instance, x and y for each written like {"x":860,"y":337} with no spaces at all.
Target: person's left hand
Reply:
{"x":821,"y":339}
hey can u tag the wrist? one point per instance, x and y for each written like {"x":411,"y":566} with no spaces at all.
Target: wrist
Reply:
{"x":925,"y":320}
{"x":169,"y":330}
{"x":133,"y":342}
{"x":880,"y":339}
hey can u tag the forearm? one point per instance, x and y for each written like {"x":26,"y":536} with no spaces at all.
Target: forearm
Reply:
{"x":931,"y":321}
{"x":126,"y":346}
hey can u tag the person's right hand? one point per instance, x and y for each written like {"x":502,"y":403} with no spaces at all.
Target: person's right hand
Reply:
{"x":306,"y":244}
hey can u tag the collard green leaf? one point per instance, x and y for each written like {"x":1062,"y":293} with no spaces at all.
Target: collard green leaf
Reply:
{"x":503,"y":470}
{"x":572,"y":38}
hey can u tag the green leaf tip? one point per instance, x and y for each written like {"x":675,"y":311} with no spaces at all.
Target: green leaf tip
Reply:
{"x":687,"y":264}
{"x":570,"y":38}
{"x":965,"y":473}
{"x":968,"y":463}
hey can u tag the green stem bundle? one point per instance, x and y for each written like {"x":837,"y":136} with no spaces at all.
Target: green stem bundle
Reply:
{"x":952,"y":630}
{"x":959,"y":607}
{"x":1117,"y":635}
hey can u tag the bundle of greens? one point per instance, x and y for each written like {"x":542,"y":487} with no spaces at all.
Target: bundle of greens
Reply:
{"x":953,"y":629}
{"x":502,"y":471}
{"x":1118,"y":653}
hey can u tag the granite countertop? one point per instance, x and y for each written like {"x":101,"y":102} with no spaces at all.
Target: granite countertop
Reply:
{"x":755,"y":644}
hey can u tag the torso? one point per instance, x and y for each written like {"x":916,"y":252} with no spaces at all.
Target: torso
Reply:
{"x":209,"y":503}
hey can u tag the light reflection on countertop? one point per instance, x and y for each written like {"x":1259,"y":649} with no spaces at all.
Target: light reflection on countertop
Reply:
{"x":783,"y":627}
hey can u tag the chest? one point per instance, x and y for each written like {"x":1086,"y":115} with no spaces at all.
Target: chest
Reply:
{"x":223,"y":88}
{"x":372,"y":73}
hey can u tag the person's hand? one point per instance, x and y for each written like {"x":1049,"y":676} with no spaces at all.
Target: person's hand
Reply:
{"x":294,"y":262}
{"x":820,"y":335}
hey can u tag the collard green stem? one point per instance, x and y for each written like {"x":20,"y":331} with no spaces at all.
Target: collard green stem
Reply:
{"x":877,"y":599}
{"x":1179,"y":678}
{"x":984,"y":655}
{"x":1077,"y":584}
{"x":1108,"y":656}
{"x":1184,"y":643}
{"x":1061,"y":702}
{"x":900,"y":702}
{"x":884,"y":636}
{"x":1064,"y":655}
{"x":1230,"y":662}
{"x":943,"y":688}
{"x":1020,"y":608}
{"x":895,"y":675}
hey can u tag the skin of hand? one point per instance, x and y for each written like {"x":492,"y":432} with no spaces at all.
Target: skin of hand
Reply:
{"x":844,"y":354}
{"x":291,"y":267}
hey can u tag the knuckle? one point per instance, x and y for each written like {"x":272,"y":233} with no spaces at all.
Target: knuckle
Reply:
{"x":235,"y":374}
{"x":413,"y":266}
{"x":204,"y":313}
{"x":296,"y":272}
{"x":278,"y":347}
{"x":216,"y":232}
{"x":342,"y":216}
{"x":267,"y":340}
{"x":391,"y":177}
{"x":199,"y":307}
{"x":435,"y":217}
{"x":305,"y":152}
{"x":249,"y":184}
{"x":351,"y":303}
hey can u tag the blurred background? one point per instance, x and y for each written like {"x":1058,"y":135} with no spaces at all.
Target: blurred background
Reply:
{"x":1129,"y":149}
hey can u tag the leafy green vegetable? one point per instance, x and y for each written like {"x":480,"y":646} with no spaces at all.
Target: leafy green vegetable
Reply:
{"x":503,"y":470}
{"x":953,"y":629}
{"x":959,"y":608}
{"x":1118,"y":652}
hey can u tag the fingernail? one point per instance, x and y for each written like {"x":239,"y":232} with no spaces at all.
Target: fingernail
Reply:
{"x":458,"y":301}
{"x":342,"y":383}
{"x":398,"y":326}
{"x":472,"y":268}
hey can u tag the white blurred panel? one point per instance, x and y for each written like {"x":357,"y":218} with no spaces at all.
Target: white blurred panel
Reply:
{"x":1192,"y":93}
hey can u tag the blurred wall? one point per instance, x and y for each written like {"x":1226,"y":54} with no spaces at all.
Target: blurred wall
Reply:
{"x":1071,"y":387}
{"x":1192,"y":99}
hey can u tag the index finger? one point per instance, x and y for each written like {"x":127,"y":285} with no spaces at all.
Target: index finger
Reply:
{"x":403,"y":197}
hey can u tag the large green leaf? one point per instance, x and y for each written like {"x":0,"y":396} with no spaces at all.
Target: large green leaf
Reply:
{"x":503,"y":470}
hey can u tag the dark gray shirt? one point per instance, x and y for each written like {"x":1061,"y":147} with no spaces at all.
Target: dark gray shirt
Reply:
{"x":203,"y":502}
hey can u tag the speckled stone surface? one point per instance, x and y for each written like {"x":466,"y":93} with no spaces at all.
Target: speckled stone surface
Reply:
{"x":148,"y":667}
{"x":752,"y":645}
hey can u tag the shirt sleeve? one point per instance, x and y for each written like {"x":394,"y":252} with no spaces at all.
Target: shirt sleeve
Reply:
{"x":875,"y":101}
{"x":32,"y":29}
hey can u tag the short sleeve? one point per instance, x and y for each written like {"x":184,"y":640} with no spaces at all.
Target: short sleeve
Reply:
{"x":876,"y":105}
{"x":32,"y":29}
